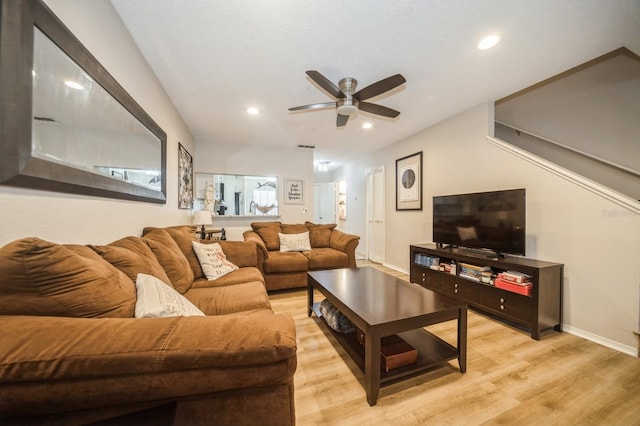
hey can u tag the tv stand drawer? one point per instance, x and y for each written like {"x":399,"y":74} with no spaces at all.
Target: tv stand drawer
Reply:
{"x":507,"y":303}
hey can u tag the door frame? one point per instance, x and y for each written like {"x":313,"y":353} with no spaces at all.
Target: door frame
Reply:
{"x":370,"y":188}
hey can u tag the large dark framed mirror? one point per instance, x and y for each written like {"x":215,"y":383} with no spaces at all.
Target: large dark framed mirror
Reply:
{"x":66,"y":124}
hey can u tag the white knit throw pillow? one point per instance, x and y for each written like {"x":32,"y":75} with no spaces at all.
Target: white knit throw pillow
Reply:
{"x":295,"y":242}
{"x":157,"y":299}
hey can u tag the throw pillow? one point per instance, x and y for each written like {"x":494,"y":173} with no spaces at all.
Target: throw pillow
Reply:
{"x":268,"y":231}
{"x":212,"y":260}
{"x":157,"y":299}
{"x":320,"y":235}
{"x":295,"y":242}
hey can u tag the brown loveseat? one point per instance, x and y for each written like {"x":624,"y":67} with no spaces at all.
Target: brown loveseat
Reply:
{"x":330,"y":249}
{"x":71,"y":351}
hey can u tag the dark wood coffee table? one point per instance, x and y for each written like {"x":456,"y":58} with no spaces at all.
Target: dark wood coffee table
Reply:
{"x":381,"y":305}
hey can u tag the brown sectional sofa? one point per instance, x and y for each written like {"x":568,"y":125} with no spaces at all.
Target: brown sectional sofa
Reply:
{"x":330,"y":249}
{"x":71,"y":351}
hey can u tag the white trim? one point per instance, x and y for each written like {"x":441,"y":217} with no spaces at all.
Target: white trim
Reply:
{"x":628,"y":350}
{"x":395,"y":268}
{"x":607,"y":193}
{"x":572,"y":149}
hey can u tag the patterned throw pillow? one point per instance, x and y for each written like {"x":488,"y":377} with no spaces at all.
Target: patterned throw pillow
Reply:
{"x":294,"y":242}
{"x":157,"y":299}
{"x":212,"y":260}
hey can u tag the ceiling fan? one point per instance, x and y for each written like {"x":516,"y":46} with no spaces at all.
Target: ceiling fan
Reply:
{"x":349,"y":102}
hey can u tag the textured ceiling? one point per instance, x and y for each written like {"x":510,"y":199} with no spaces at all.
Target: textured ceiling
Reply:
{"x":215,"y":58}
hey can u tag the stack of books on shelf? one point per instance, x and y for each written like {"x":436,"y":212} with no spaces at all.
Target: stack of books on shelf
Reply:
{"x":473,"y":272}
{"x":428,"y":261}
{"x":514,"y":281}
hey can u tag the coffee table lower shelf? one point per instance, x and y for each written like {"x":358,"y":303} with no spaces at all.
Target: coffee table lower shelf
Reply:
{"x":432,"y":350}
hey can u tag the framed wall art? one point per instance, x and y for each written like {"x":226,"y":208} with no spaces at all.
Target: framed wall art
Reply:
{"x":409,"y":182}
{"x":293,"y":191}
{"x":185,"y":178}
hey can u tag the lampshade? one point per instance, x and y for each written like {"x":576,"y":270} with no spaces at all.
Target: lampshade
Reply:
{"x":202,"y":217}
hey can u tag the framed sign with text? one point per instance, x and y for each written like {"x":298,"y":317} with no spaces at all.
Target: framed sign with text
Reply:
{"x":293,"y":191}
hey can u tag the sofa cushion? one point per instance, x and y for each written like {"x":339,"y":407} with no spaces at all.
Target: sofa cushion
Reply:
{"x":38,"y":277}
{"x":156,"y":299}
{"x":297,"y":228}
{"x":183,"y":235}
{"x":294,"y":242}
{"x":291,"y":261}
{"x":171,"y":258}
{"x":230,"y":299}
{"x":319,"y":235}
{"x":212,"y":260}
{"x":268,"y":231}
{"x":326,"y":258}
{"x":239,"y":252}
{"x":241,"y":275}
{"x":132,"y":256}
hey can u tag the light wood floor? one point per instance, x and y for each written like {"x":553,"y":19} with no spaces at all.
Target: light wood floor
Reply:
{"x":511,"y":379}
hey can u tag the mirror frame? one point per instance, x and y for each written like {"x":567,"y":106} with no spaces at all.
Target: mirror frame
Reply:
{"x":18,"y":167}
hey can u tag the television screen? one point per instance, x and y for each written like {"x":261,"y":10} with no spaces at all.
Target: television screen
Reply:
{"x":484,"y":220}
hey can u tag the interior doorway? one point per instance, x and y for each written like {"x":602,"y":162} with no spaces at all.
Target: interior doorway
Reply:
{"x":375,"y":214}
{"x":324,"y":205}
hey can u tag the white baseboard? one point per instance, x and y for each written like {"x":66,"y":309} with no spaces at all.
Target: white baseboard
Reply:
{"x":629,"y":350}
{"x":395,"y":268}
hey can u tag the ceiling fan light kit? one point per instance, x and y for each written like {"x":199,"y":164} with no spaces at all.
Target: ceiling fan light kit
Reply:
{"x":348,"y":101}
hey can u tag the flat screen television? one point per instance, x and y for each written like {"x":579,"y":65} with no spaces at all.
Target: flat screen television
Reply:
{"x":483,"y":220}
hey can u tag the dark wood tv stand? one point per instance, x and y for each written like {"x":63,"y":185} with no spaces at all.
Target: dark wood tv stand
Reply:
{"x":540,"y":311}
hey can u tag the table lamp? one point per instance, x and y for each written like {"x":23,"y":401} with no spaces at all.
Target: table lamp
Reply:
{"x":202,"y":217}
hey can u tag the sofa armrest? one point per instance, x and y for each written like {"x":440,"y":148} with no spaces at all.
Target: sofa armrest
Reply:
{"x":346,"y":243}
{"x":253,"y":236}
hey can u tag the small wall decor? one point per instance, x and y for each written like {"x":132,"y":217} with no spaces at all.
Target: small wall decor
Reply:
{"x":293,"y":191}
{"x":185,"y":178}
{"x":409,"y":182}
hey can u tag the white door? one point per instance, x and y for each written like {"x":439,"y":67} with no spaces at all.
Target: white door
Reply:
{"x":375,"y":215}
{"x":324,"y":196}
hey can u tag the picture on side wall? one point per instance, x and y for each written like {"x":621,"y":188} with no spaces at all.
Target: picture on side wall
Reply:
{"x":409,"y":182}
{"x":185,"y":178}
{"x":293,"y":191}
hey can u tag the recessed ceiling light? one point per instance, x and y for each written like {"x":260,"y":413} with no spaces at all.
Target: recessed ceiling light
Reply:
{"x":323,"y":166}
{"x":74,"y":84}
{"x":252,"y":111}
{"x":367,"y":125}
{"x":488,"y":42}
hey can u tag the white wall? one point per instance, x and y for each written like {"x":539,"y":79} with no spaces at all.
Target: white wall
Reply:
{"x":596,"y":239}
{"x":296,"y":163}
{"x":67,"y":218}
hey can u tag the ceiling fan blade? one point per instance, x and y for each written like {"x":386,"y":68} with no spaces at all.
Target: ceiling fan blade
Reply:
{"x":378,"y":109}
{"x":380,"y":87}
{"x":325,"y":83}
{"x":341,"y":121}
{"x":313,"y":106}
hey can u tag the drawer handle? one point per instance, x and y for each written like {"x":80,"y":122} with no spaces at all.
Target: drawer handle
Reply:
{"x":456,"y":285}
{"x":502,"y":307}
{"x":456,"y":290}
{"x":501,"y":300}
